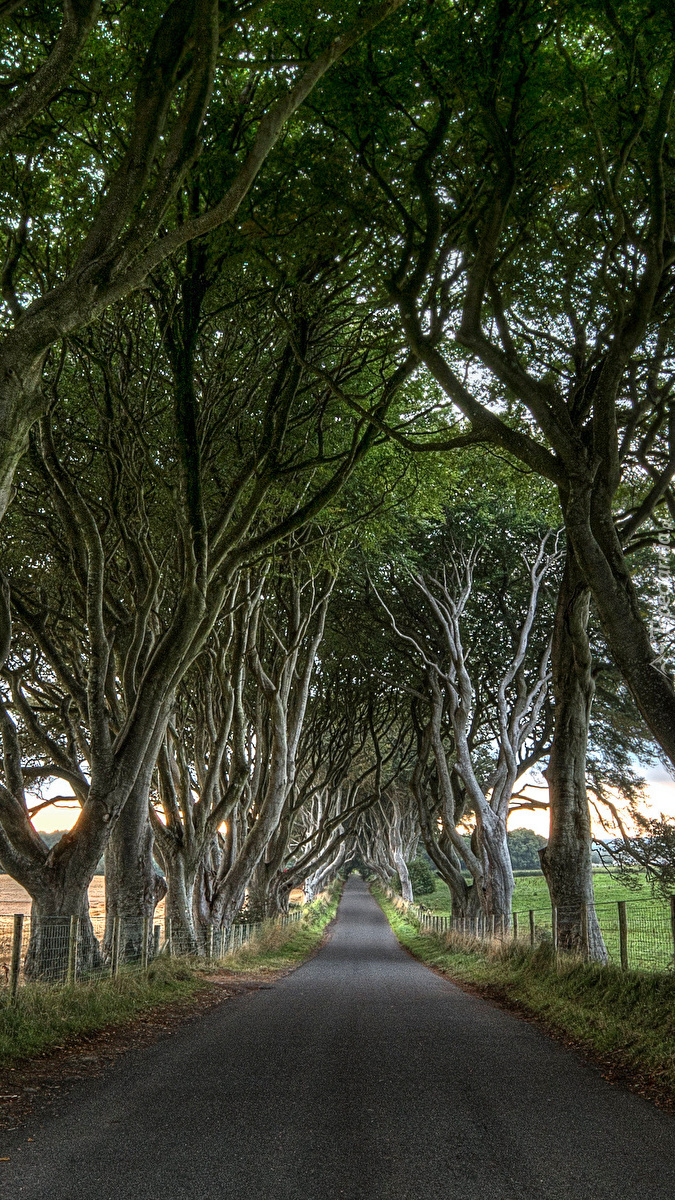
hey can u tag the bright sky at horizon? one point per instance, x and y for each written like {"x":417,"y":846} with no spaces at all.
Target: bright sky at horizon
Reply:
{"x":660,"y":794}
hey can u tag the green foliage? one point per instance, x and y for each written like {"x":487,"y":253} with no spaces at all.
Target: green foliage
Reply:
{"x":422,"y":877}
{"x":524,"y":847}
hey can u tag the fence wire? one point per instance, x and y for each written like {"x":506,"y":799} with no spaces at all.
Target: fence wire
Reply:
{"x":63,"y":949}
{"x":638,"y":935}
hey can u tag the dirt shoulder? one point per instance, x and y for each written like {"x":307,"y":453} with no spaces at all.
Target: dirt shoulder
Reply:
{"x":37,"y":1083}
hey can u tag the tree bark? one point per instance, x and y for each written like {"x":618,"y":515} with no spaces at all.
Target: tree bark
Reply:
{"x":133,"y":886}
{"x":47,"y":955}
{"x":180,"y":886}
{"x":592,"y":532}
{"x":499,"y":883}
{"x":566,"y":860}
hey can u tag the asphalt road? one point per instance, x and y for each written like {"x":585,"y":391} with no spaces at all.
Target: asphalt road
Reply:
{"x":362,"y":1075}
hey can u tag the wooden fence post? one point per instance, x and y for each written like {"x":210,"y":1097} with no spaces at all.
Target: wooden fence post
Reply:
{"x":623,"y":934}
{"x":156,"y":935}
{"x":554,"y":928}
{"x":585,"y":942}
{"x":531,"y":911}
{"x":514,"y":920}
{"x":72,"y":949}
{"x":144,"y":943}
{"x":115,"y":948}
{"x":15,"y":961}
{"x":209,"y":944}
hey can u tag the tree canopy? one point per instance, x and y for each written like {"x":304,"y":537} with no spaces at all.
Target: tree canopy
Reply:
{"x":336,"y":444}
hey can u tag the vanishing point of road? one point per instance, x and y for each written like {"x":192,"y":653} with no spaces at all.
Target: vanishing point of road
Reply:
{"x":362,"y":1075}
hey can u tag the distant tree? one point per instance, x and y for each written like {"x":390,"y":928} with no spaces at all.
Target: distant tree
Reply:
{"x":524,"y":847}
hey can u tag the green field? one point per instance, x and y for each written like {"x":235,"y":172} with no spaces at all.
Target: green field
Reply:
{"x":649,"y":932}
{"x":532,"y":892}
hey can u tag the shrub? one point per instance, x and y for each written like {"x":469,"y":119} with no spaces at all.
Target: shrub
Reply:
{"x":421,"y":877}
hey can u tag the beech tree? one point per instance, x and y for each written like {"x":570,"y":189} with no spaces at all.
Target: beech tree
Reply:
{"x":511,"y":162}
{"x":181,"y":91}
{"x":388,"y":837}
{"x":439,"y":644}
{"x":143,"y":542}
{"x":456,"y":235}
{"x":355,"y":752}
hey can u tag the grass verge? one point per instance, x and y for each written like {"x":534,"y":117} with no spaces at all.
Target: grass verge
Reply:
{"x":279,"y":948}
{"x":45,"y":1017}
{"x":624,"y":1020}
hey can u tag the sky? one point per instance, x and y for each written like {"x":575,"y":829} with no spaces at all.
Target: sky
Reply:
{"x":660,"y":799}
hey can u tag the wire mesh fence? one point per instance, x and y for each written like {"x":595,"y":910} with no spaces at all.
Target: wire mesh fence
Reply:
{"x":64,"y":949}
{"x":635,"y":935}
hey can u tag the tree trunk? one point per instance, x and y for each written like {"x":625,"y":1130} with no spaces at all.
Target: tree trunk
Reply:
{"x":262,"y":894}
{"x":498,"y":875}
{"x":466,"y":903}
{"x":180,"y":886}
{"x":404,"y":876}
{"x":133,"y":887}
{"x":601,"y":559}
{"x":48,"y":946}
{"x":230,"y":893}
{"x":566,"y":860}
{"x":59,"y":890}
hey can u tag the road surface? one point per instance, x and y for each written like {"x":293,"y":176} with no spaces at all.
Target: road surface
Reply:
{"x":362,"y":1075}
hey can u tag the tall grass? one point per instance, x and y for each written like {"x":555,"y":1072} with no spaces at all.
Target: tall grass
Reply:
{"x":279,"y":947}
{"x":44,"y":1016}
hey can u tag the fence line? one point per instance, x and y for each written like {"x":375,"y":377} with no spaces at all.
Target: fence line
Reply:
{"x":62,"y":949}
{"x":638,"y":935}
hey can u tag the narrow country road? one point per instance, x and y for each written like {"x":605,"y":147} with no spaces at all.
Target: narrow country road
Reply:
{"x":362,"y":1075}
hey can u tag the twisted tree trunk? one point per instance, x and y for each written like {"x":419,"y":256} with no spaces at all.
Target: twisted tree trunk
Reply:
{"x":566,"y":860}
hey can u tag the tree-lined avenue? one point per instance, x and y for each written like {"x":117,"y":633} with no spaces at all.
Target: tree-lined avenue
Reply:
{"x":362,"y":1075}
